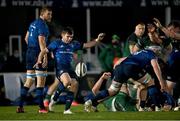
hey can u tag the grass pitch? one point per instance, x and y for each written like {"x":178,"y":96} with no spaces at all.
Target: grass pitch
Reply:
{"x":31,"y":113}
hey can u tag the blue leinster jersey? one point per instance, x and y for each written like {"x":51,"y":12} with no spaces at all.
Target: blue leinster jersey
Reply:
{"x":63,"y":52}
{"x":142,"y":58}
{"x":37,"y":28}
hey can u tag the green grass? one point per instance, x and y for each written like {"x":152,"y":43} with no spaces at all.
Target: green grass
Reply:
{"x":8,"y":113}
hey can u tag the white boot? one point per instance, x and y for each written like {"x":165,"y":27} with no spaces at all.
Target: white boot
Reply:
{"x":51,"y":105}
{"x":67,"y":112}
{"x":87,"y":106}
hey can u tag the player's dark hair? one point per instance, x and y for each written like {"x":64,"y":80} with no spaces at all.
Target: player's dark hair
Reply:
{"x":43,"y":9}
{"x":68,"y":30}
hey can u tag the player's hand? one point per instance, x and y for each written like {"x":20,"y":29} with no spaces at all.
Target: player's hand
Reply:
{"x":100,"y":37}
{"x":163,"y":87}
{"x":157,"y":23}
{"x":106,"y":75}
{"x":38,"y":64}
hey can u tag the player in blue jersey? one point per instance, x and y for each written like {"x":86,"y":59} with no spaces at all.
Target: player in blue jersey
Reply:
{"x":36,"y":39}
{"x":172,"y":31}
{"x":134,"y":66}
{"x":154,"y":38}
{"x":63,"y":50}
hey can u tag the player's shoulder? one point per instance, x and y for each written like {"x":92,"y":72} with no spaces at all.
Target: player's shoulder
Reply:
{"x":132,"y":37}
{"x":75,"y":42}
{"x":56,"y":41}
{"x":39,"y":22}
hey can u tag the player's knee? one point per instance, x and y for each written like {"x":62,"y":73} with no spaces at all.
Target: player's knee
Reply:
{"x":30,"y":75}
{"x":114,"y":88}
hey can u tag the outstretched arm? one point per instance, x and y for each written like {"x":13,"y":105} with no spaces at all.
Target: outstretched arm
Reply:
{"x":94,"y":42}
{"x":98,"y":84}
{"x":166,"y":31}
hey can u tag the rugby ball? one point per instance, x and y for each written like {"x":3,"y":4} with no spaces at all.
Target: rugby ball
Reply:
{"x":81,"y":69}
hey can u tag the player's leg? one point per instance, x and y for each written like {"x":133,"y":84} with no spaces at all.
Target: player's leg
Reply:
{"x":113,"y":90}
{"x":50,"y":91}
{"x":69,"y":100}
{"x":64,"y":85}
{"x":120,"y":77}
{"x":55,"y":96}
{"x":71,"y":91}
{"x":30,"y":78}
{"x":59,"y":90}
{"x":66,"y":98}
{"x":41,"y":79}
{"x":154,"y":94}
{"x":74,"y":88}
{"x":142,"y":94}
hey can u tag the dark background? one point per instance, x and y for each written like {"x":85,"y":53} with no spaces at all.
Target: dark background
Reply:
{"x":108,"y":17}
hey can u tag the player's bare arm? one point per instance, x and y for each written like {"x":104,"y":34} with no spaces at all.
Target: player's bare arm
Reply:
{"x":42,"y":44}
{"x":166,"y":31}
{"x":26,"y":37}
{"x":40,"y":60}
{"x":96,"y":87}
{"x":93,"y":43}
{"x":158,"y":73}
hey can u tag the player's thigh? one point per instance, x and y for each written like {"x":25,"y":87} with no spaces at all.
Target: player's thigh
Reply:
{"x":65,"y":79}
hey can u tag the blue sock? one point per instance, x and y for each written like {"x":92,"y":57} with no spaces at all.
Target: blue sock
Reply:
{"x":60,"y":89}
{"x":101,"y":95}
{"x":69,"y":100}
{"x":142,"y":104}
{"x":39,"y":97}
{"x":24,"y":92}
{"x":89,"y":96}
{"x":62,"y":99}
{"x":154,"y":95}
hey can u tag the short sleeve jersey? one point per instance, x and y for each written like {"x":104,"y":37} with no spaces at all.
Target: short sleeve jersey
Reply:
{"x":37,"y":28}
